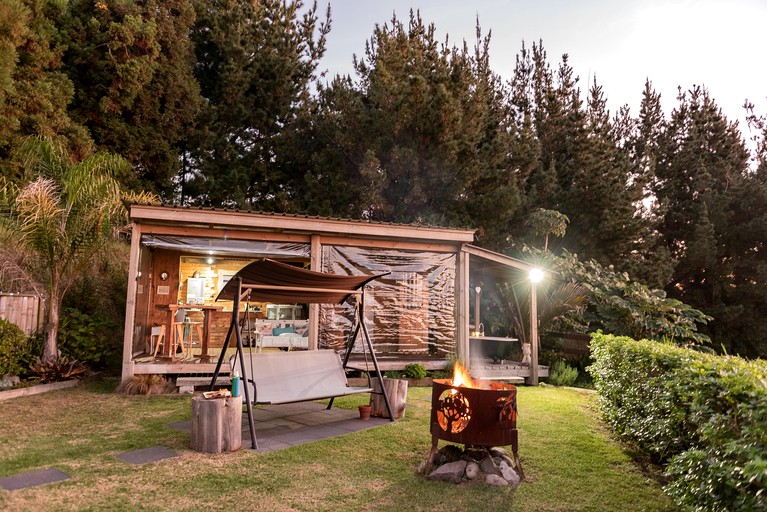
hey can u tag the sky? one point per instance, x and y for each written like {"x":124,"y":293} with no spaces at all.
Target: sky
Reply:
{"x":719,"y":44}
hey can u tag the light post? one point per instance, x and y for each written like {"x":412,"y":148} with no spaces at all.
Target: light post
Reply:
{"x":536,"y":276}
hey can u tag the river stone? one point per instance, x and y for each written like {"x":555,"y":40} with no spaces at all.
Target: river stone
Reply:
{"x":509,"y":474}
{"x":496,"y":480}
{"x":472,"y":470}
{"x":498,"y":452}
{"x":488,"y":466}
{"x":450,"y":472}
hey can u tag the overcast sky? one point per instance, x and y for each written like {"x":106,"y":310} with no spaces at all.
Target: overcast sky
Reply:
{"x":717,"y":43}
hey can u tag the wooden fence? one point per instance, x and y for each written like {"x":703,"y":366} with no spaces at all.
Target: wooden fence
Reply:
{"x":22,"y":310}
{"x":572,"y":345}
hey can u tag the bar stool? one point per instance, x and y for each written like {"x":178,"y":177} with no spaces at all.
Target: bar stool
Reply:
{"x":156,"y":339}
{"x":180,"y":327}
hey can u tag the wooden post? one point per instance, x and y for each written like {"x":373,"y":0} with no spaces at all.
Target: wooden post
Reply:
{"x":216,"y":424}
{"x":533,"y":334}
{"x":397,"y":391}
{"x":130,"y":305}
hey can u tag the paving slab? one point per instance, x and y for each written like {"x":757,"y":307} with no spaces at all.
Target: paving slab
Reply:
{"x":32,"y":479}
{"x":151,"y":454}
{"x":282,"y":426}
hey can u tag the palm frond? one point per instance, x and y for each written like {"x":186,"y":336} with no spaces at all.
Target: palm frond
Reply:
{"x":40,"y":216}
{"x":42,"y":156}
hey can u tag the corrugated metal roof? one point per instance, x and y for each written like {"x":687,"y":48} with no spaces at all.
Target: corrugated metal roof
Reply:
{"x":297,"y":216}
{"x":458,"y":235}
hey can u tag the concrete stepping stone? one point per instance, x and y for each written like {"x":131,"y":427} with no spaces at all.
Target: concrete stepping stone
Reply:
{"x":151,"y":454}
{"x":32,"y":479}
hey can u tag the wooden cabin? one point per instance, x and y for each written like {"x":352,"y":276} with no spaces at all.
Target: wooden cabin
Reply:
{"x":419,"y":312}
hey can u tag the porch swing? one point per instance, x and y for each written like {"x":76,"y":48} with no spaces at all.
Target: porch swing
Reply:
{"x":297,"y":376}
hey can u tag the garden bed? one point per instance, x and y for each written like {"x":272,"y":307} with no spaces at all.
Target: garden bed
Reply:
{"x":36,"y":389}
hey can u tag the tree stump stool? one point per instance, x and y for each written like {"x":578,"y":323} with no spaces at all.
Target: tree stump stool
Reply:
{"x":397,"y":391}
{"x":216,"y":424}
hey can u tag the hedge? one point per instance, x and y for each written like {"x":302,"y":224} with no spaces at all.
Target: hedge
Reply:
{"x":13,"y":348}
{"x":703,"y":416}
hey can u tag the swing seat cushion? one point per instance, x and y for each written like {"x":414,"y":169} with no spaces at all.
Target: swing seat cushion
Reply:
{"x":286,"y":377}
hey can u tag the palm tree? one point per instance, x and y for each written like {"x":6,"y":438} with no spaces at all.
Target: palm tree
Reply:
{"x":64,"y":212}
{"x":554,"y":303}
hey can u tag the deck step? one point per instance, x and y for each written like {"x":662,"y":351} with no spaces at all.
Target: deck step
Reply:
{"x":186,"y":385}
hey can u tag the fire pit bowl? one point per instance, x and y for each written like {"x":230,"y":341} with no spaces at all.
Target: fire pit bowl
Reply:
{"x":474,"y":416}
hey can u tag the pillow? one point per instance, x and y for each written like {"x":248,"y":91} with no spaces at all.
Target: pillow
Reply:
{"x":277,"y":331}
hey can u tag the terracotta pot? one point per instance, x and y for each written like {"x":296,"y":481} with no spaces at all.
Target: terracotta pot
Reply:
{"x":364,"y":412}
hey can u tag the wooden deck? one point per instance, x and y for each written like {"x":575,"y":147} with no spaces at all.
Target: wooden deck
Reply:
{"x":506,"y":371}
{"x":483,"y":370}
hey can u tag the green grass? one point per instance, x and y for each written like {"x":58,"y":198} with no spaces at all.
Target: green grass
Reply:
{"x":569,"y":459}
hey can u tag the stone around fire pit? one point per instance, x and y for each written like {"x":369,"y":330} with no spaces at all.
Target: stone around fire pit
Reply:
{"x":472,"y":464}
{"x":450,"y":472}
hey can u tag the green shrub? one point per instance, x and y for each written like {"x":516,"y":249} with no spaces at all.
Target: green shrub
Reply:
{"x":88,"y":338}
{"x":100,"y":295}
{"x":13,"y":348}
{"x":562,"y":374}
{"x":415,"y":371}
{"x":704,"y":416}
{"x":57,"y":369}
{"x":449,"y":370}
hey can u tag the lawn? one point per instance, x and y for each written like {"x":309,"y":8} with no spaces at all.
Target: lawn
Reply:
{"x":569,"y":459}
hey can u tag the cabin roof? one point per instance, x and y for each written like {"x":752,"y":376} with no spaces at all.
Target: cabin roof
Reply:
{"x":219,"y":218}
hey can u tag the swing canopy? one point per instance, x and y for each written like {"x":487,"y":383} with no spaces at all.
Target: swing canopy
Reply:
{"x":273,"y":281}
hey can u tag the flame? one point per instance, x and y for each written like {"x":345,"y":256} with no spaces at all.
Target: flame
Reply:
{"x":461,"y":377}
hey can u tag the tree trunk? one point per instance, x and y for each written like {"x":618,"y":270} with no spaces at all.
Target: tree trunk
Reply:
{"x":396,"y":389}
{"x":51,"y":347}
{"x":216,"y":424}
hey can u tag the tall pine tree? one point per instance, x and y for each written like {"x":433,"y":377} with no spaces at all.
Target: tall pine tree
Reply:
{"x":420,"y":136}
{"x":132,"y":65}
{"x":713,"y":210}
{"x":256,"y":60}
{"x":35,"y":92}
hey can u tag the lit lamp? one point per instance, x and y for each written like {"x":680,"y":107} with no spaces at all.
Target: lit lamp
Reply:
{"x":536,"y":276}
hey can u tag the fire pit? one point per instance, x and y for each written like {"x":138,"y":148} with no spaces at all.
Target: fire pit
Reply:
{"x":473,"y":414}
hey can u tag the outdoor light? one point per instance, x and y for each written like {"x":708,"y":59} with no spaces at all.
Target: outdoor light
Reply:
{"x":536,"y":275}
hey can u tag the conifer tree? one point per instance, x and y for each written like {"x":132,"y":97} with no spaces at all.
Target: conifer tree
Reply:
{"x":35,"y":92}
{"x":714,"y":221}
{"x":421,"y":134}
{"x":132,"y":65}
{"x":255,"y":63}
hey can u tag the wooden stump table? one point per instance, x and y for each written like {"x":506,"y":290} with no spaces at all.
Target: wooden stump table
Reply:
{"x":216,"y":424}
{"x":397,"y":391}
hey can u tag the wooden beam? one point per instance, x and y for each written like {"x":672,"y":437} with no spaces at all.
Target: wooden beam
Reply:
{"x":300,"y":289}
{"x":463,"y":350}
{"x":219,"y":232}
{"x":496,"y":257}
{"x":390,"y":244}
{"x":315,"y":264}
